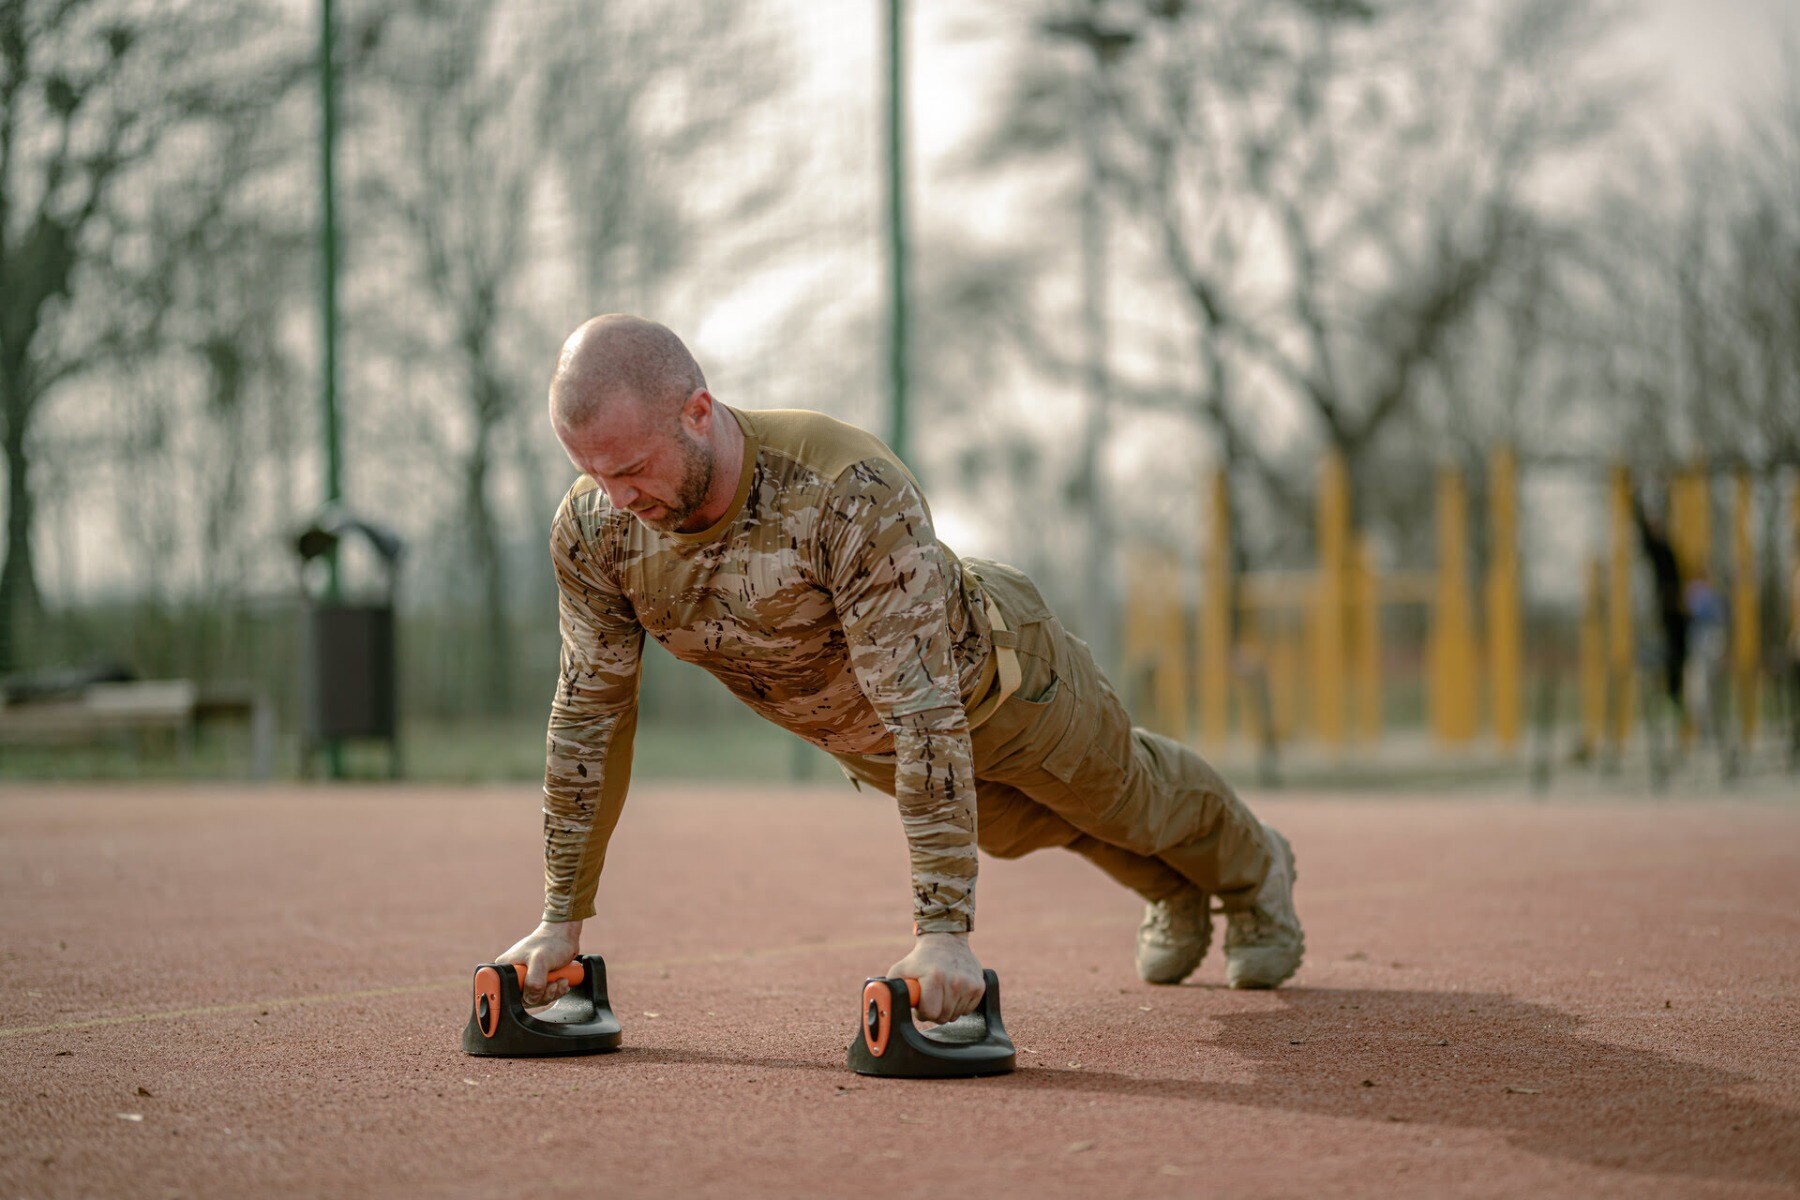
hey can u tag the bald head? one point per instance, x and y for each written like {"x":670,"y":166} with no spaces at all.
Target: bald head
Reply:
{"x":616,"y":358}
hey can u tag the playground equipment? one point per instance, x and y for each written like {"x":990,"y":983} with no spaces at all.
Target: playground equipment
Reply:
{"x":1610,"y":673}
{"x":1284,"y":655}
{"x":1295,"y":652}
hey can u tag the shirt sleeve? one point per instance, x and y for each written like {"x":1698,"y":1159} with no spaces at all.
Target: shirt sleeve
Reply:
{"x":592,"y":721}
{"x":889,"y":582}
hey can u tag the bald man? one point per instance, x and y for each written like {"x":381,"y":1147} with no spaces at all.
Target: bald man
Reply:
{"x":793,"y":557}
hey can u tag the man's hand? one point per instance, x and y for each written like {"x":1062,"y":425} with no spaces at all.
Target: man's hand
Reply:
{"x":950,"y":983}
{"x":551,"y":945}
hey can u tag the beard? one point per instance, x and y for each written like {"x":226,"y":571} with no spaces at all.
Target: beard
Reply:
{"x":697,"y":465}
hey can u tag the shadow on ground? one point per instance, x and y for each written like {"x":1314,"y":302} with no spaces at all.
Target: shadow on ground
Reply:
{"x":1484,"y":1062}
{"x":1478,"y":1061}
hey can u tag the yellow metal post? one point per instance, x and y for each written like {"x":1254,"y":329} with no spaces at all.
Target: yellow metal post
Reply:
{"x":1746,"y":635}
{"x":1437,"y":662}
{"x":1253,"y":652}
{"x":1690,"y":532}
{"x":1453,"y":650}
{"x":1505,"y":636}
{"x":1137,"y":685}
{"x":1130,"y":666}
{"x":1690,"y":522}
{"x":1214,"y":668}
{"x":1593,"y":659}
{"x":1621,"y":690}
{"x":1305,"y":665}
{"x":1172,"y":650}
{"x":1788,"y":592}
{"x":1155,"y":644}
{"x":1365,"y":641}
{"x":1285,"y":659}
{"x":1329,"y":598}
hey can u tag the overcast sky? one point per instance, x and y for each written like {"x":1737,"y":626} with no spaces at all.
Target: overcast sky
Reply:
{"x":1716,"y":49}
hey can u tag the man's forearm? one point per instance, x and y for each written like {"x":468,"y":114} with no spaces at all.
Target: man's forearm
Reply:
{"x":934,"y":785}
{"x":587,"y":770}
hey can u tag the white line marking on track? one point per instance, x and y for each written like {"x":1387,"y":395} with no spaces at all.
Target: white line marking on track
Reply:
{"x":409,"y":989}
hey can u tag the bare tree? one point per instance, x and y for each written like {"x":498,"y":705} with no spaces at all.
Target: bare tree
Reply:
{"x":1694,"y":336}
{"x":92,"y":96}
{"x":1330,"y":186}
{"x":557,"y":147}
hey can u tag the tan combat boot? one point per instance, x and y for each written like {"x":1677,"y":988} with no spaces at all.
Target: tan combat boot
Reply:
{"x":1174,"y":936}
{"x":1263,"y":943}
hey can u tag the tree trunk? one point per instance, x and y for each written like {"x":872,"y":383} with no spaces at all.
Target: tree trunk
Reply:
{"x":20,"y":605}
{"x":494,"y":658}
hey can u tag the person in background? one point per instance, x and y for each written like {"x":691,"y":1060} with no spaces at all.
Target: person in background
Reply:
{"x":1704,"y":680}
{"x":1670,"y":609}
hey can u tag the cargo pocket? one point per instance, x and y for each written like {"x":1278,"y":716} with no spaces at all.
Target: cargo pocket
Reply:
{"x":1011,"y":744}
{"x":1062,"y":741}
{"x":1071,"y":742}
{"x":1082,"y":761}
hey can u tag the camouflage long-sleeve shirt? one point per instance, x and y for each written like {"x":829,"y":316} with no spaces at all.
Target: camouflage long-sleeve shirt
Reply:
{"x":822,"y":599}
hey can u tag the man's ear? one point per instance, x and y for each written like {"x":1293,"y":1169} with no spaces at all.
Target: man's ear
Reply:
{"x":697,"y":410}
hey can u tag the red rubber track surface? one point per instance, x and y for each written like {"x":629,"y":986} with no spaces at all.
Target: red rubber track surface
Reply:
{"x":226,"y":992}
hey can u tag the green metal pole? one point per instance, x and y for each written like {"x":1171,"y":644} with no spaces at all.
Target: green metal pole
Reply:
{"x":328,"y":316}
{"x":898,"y":427}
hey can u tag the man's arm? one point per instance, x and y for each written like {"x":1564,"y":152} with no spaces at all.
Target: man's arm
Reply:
{"x":889,"y":582}
{"x":587,"y":764}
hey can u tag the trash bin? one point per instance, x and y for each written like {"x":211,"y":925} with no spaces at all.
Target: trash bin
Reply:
{"x":349,"y":654}
{"x":351,"y":661}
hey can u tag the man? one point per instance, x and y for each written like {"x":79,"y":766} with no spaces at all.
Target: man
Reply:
{"x":1671,"y":613}
{"x":1708,"y":642}
{"x":793,"y":557}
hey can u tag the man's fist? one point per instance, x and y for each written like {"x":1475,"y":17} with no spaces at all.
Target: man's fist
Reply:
{"x":551,"y":945}
{"x":950,"y":983}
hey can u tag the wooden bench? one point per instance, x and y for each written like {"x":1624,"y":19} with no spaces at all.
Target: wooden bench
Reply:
{"x":177,"y":706}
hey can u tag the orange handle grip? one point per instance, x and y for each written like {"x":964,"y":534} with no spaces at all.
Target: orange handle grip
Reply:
{"x":573,"y":974}
{"x":912,"y":991}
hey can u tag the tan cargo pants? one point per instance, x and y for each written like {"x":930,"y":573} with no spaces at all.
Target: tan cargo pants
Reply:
{"x":1060,"y":764}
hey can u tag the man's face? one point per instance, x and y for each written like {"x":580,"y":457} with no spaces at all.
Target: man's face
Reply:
{"x":655,"y":468}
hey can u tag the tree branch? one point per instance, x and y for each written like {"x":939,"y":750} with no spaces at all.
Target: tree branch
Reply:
{"x":1448,"y":297}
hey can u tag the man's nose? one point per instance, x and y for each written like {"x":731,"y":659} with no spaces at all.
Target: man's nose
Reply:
{"x":621,"y":494}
